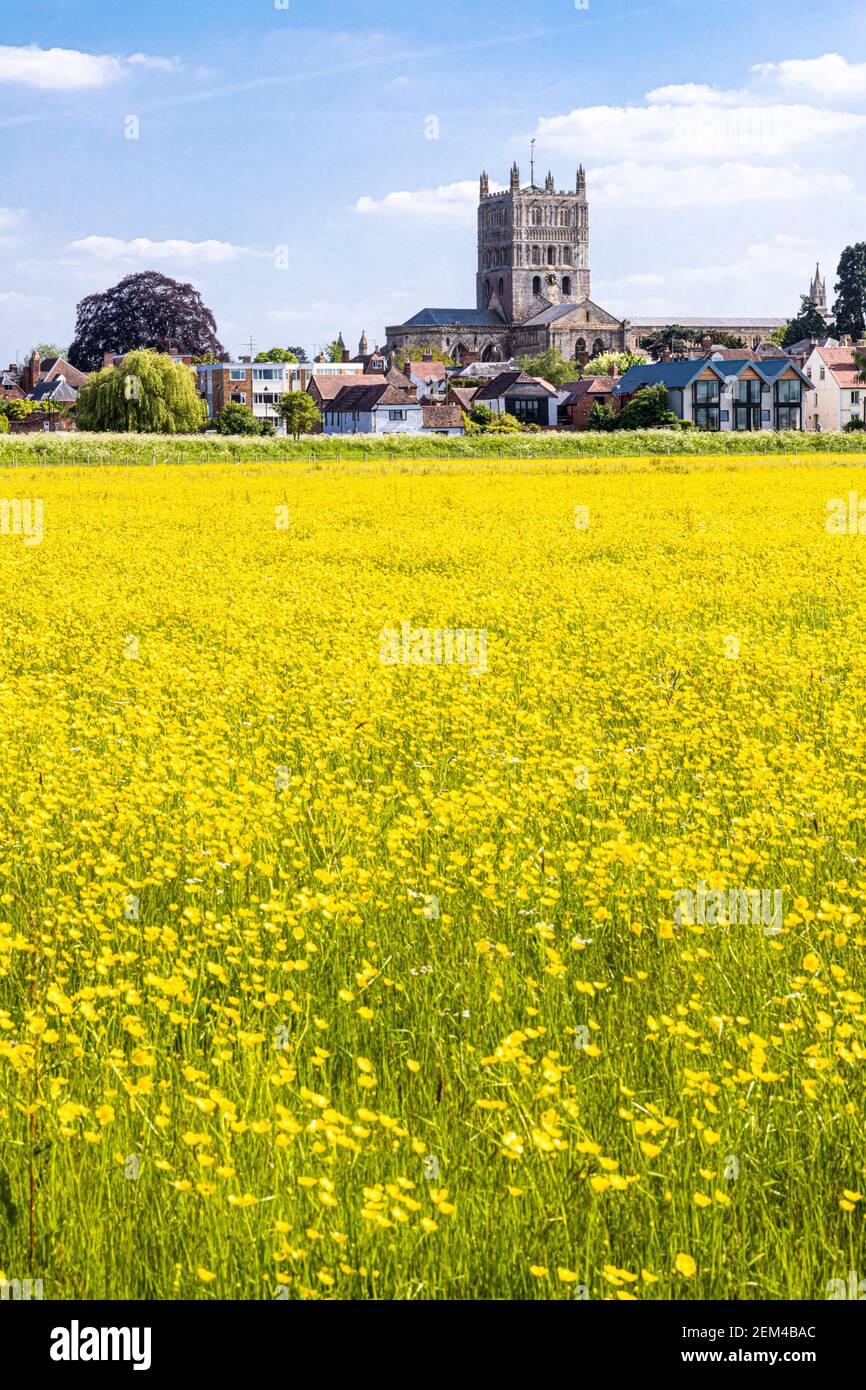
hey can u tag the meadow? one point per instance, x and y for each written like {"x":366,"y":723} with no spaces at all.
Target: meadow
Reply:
{"x":146,"y":450}
{"x":324,"y":976}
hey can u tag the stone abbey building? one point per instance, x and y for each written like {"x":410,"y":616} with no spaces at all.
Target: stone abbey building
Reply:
{"x":533,"y":287}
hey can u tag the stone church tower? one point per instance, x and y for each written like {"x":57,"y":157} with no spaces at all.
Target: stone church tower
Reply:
{"x":533,"y":247}
{"x":818,"y":294}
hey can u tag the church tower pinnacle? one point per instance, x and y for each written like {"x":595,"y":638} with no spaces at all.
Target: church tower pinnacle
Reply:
{"x":818,"y":290}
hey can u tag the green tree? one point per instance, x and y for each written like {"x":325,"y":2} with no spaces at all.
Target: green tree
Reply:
{"x":334,"y":351}
{"x":601,"y":418}
{"x":300,"y":413}
{"x":276,"y":354}
{"x":726,"y":340}
{"x":604,"y":364}
{"x":49,"y":350}
{"x":147,"y":394}
{"x":809,"y":323}
{"x":551,"y":366}
{"x":235,"y":418}
{"x":648,"y":409}
{"x":4,"y":425}
{"x":17,"y":410}
{"x":850,"y":306}
{"x":675,"y":337}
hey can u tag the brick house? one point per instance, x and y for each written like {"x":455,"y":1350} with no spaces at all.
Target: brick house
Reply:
{"x":577,"y":398}
{"x":259,"y":385}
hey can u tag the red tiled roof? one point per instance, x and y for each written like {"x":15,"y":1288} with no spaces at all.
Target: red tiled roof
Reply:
{"x":462,"y":396}
{"x":329,"y":387}
{"x":842,"y":366}
{"x":426,"y":370}
{"x":367,"y":397}
{"x":442,"y":417}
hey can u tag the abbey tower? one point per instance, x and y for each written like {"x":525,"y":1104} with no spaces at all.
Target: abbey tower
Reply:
{"x":533,"y":247}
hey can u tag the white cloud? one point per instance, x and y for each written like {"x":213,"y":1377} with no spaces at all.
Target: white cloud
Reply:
{"x":451,"y":202}
{"x":693,"y":93}
{"x":763,"y":274}
{"x":67,"y":69}
{"x":109,"y":248}
{"x":144,"y":60}
{"x":9,"y":217}
{"x":830,"y":76}
{"x":57,"y":67}
{"x":782,"y":256}
{"x":678,"y":133}
{"x":696,"y":185}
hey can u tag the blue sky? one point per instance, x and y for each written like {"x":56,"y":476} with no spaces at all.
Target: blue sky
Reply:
{"x":284,"y":161}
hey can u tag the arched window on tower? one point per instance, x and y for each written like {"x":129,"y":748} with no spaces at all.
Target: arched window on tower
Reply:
{"x":597,"y":347}
{"x":566,"y":284}
{"x":536,"y":255}
{"x":536,"y":284}
{"x":486,"y":289}
{"x":501,"y":288}
{"x":551,"y":255}
{"x":579,"y":347}
{"x":535,"y":217}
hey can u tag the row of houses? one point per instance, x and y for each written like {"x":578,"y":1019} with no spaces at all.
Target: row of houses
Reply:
{"x":814,"y":387}
{"x":713,"y":389}
{"x":51,"y":383}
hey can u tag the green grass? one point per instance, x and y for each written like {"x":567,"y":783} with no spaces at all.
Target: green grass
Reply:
{"x":136,"y":450}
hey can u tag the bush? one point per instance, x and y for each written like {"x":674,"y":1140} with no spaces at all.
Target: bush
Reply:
{"x":235,"y":418}
{"x":4,"y":425}
{"x":18,"y":410}
{"x":601,"y":418}
{"x":648,"y":409}
{"x":854,"y":425}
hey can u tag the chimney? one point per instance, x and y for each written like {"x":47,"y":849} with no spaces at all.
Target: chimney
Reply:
{"x":246,"y":360}
{"x":846,"y":340}
{"x":666,"y":353}
{"x":707,"y":343}
{"x":428,"y":356}
{"x":347,"y":356}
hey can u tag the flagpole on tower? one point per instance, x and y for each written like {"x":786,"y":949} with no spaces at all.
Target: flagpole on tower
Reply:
{"x":533,"y":164}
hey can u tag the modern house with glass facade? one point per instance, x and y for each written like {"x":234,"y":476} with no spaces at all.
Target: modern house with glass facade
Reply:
{"x":724,"y":394}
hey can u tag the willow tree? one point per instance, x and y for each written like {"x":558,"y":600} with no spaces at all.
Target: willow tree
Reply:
{"x":147,"y":394}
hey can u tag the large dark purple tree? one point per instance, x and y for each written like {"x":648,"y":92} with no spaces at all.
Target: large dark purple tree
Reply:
{"x":147,"y":310}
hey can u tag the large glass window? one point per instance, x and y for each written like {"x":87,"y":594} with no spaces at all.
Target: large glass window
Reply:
{"x":789,"y":396}
{"x":747,"y":405}
{"x":527,"y":411}
{"x":789,"y":392}
{"x":705,"y":402}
